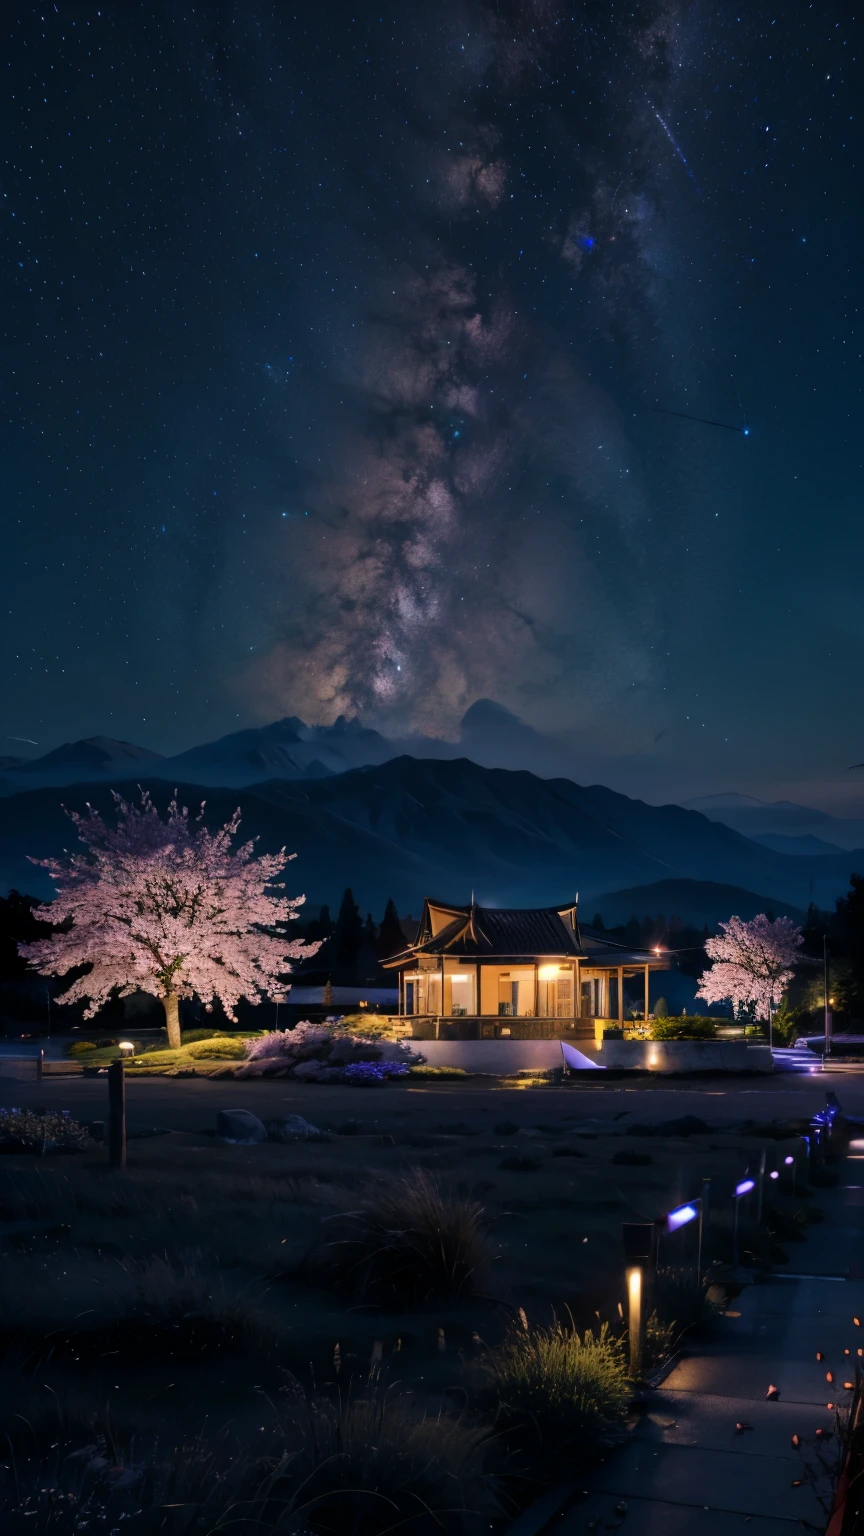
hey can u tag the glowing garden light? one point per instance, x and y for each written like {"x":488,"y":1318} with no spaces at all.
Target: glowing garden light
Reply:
{"x":744,"y":1187}
{"x":788,"y":1161}
{"x":680,"y":1217}
{"x":774,"y":1174}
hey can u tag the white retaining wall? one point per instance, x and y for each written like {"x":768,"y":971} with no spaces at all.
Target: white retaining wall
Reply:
{"x":501,"y":1057}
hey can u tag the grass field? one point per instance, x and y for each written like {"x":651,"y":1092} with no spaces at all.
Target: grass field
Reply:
{"x":234,"y":1297}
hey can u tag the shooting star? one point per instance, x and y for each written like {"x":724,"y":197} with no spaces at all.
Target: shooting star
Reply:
{"x":28,"y":739}
{"x":705,"y":420}
{"x":675,"y":145}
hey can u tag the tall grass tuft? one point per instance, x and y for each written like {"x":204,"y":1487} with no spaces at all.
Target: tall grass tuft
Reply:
{"x":570,"y":1387}
{"x":375,"y":1463}
{"x":407,"y":1244}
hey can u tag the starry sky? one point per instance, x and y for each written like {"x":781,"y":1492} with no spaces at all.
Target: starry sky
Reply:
{"x":340,"y":343}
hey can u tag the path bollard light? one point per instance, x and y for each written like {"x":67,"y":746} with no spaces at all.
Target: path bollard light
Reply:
{"x":40,"y":1066}
{"x":126,"y":1048}
{"x":117,"y":1115}
{"x":745,"y":1187}
{"x":760,"y":1186}
{"x":638,"y":1240}
{"x":704,"y":1216}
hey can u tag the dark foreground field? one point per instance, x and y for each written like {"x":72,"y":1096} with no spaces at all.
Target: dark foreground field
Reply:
{"x":170,"y":1333}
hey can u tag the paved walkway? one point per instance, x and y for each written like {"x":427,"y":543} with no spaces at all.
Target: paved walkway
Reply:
{"x":687,"y":1468}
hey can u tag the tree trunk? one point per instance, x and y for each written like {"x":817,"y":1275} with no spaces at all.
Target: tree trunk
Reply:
{"x":171,"y":1004}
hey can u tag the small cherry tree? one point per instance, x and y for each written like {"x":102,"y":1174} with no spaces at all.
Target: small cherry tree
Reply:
{"x":167,"y":907}
{"x":752,"y":963}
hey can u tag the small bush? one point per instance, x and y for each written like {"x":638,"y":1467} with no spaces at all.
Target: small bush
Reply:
{"x":408,"y":1243}
{"x":31,"y":1131}
{"x":438,"y":1072}
{"x":81,"y":1047}
{"x":570,"y":1388}
{"x":373,"y":1026}
{"x":377,"y":1464}
{"x":220,"y":1048}
{"x":689,"y":1027}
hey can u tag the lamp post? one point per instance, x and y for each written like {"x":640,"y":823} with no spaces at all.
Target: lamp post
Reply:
{"x":827,"y":1051}
{"x":638,"y":1249}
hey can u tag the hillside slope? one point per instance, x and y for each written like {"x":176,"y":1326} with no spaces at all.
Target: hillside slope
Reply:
{"x":410,"y":827}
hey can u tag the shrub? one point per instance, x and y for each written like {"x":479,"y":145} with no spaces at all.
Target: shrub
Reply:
{"x":373,"y":1026}
{"x":438,"y":1072}
{"x":689,"y":1027}
{"x":409,"y":1242}
{"x":570,"y":1388}
{"x":81,"y":1047}
{"x":661,"y":1008}
{"x":375,"y":1464}
{"x":33,"y":1131}
{"x":368,"y":1072}
{"x":220,"y":1048}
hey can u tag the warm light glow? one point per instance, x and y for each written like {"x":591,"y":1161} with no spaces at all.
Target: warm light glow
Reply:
{"x":460,"y":977}
{"x":634,"y":1294}
{"x":657,"y":949}
{"x":680,"y":1217}
{"x":550,"y":972}
{"x":127,"y":1047}
{"x":744,"y":1187}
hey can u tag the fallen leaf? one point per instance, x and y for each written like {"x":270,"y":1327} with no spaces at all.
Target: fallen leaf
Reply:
{"x":621,"y":1509}
{"x":799,"y":1482}
{"x":796,"y":1441}
{"x":741,"y":1426}
{"x":857,"y":1322}
{"x":819,"y":1355}
{"x":829,"y":1375}
{"x":773,"y":1393}
{"x":849,"y":1386}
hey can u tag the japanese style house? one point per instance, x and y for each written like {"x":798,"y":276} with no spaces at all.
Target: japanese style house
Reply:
{"x":477,"y":973}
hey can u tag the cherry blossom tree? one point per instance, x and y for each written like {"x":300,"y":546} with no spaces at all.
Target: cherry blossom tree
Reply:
{"x":167,"y":907}
{"x":752,"y":963}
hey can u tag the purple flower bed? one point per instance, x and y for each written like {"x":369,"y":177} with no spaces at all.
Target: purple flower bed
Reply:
{"x":370,"y":1072}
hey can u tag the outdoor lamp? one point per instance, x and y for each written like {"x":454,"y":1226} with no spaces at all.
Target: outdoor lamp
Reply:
{"x":126,"y":1048}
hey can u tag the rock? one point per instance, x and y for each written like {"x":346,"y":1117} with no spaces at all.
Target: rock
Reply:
{"x":294,"y":1128}
{"x":239,"y":1127}
{"x":308,"y":1071}
{"x":687,"y":1125}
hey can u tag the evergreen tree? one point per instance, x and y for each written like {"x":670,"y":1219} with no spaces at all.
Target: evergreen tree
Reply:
{"x":344,"y":951}
{"x":391,"y":939}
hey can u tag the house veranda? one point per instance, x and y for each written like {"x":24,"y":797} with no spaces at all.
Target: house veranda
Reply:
{"x":485,"y":973}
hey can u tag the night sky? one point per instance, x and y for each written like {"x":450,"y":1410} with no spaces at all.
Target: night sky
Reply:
{"x":334,"y":337}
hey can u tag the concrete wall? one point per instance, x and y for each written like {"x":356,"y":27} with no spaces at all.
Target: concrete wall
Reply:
{"x":686,"y":1056}
{"x":493,"y":1056}
{"x":500,"y":1057}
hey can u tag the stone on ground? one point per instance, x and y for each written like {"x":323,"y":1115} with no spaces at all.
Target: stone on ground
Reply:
{"x":240,"y":1127}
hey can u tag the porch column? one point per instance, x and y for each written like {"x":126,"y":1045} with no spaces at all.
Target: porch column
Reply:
{"x":647,"y":1000}
{"x":577,"y":990}
{"x":401,"y":995}
{"x":478,"y":1006}
{"x":621,"y":995}
{"x":536,"y":990}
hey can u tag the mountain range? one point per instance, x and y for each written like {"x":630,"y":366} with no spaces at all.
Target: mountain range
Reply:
{"x":412,"y":826}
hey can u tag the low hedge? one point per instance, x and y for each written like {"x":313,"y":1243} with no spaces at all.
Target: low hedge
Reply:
{"x":690,"y":1026}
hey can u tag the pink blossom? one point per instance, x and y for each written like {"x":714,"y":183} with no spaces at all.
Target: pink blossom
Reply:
{"x":170,"y":908}
{"x":752,"y":963}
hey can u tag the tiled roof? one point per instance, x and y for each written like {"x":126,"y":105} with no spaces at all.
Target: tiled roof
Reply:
{"x":513,"y":933}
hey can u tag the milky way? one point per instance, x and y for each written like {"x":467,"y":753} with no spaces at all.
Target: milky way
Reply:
{"x":474,"y":460}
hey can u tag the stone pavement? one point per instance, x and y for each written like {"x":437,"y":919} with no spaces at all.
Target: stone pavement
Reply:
{"x":686,"y":1467}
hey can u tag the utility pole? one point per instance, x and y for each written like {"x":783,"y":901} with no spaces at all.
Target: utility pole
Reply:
{"x":827,"y":1001}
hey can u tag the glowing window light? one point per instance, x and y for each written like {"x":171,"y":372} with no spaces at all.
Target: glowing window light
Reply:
{"x":744,"y":1187}
{"x":681,"y":1215}
{"x":550,"y":972}
{"x":459,"y":978}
